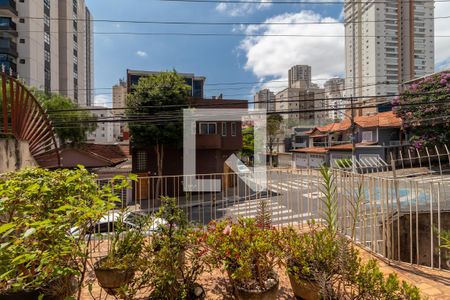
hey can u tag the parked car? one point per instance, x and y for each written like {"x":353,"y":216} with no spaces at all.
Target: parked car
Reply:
{"x":131,"y":219}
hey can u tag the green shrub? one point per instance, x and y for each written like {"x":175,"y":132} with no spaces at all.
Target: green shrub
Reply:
{"x":176,"y":256}
{"x":248,"y":252}
{"x":39,"y":210}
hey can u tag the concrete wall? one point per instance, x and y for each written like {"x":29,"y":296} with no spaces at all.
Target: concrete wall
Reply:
{"x":285,"y":159}
{"x":408,"y":243}
{"x":14,"y":155}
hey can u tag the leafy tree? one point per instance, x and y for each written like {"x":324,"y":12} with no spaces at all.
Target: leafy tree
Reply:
{"x":248,"y":142}
{"x":424,"y":109}
{"x":72,"y":126}
{"x":161,"y":96}
{"x":274,"y":122}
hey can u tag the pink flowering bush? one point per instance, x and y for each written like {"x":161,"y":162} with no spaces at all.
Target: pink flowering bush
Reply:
{"x":425,"y":111}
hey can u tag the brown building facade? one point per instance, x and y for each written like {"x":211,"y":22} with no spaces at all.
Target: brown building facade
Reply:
{"x":215,"y":142}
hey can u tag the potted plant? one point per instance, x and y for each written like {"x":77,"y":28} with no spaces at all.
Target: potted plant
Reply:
{"x":39,"y":255}
{"x":117,"y":268}
{"x":310,"y":260}
{"x":249,"y":252}
{"x":175,"y":256}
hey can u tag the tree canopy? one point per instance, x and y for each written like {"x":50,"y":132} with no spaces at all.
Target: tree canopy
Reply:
{"x":248,"y":142}
{"x":154,"y":97}
{"x":70,"y":126}
{"x":425,"y":112}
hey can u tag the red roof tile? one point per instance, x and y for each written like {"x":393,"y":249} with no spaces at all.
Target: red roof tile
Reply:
{"x":311,"y":150}
{"x":386,"y":119}
{"x":113,"y":153}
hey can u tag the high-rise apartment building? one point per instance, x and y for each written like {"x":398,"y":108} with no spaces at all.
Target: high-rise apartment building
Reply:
{"x":300,"y":76}
{"x":387,"y":43}
{"x":302,"y":101}
{"x":49,"y":45}
{"x":265,"y":99}
{"x":335,"y":101}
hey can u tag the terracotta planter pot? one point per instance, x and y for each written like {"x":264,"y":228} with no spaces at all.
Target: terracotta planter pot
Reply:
{"x":112,"y":279}
{"x":305,"y":289}
{"x":269,"y":294}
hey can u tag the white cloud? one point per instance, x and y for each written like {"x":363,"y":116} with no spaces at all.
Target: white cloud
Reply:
{"x":241,"y":9}
{"x":442,"y":44}
{"x":270,"y":57}
{"x":103,"y":100}
{"x":141,"y":53}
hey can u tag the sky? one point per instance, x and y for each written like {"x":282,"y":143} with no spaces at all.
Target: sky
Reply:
{"x":252,"y":61}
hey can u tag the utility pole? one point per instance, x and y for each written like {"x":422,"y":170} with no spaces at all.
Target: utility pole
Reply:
{"x":352,"y":120}
{"x":354,"y":86}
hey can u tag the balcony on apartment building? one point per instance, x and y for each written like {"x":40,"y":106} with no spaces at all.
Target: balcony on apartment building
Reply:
{"x":208,"y":141}
{"x":7,"y":25}
{"x":7,"y":46}
{"x":8,"y":8}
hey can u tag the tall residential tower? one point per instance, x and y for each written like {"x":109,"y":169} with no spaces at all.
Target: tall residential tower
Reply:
{"x":387,"y":43}
{"x":49,"y":45}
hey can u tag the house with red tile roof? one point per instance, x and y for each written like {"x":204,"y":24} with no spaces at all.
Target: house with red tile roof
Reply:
{"x":376,"y":137}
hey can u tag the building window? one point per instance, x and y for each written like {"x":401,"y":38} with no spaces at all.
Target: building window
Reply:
{"x":367,"y":136}
{"x":224,"y":129}
{"x":47,"y":3}
{"x":233,"y":129}
{"x":208,"y":128}
{"x":141,"y":161}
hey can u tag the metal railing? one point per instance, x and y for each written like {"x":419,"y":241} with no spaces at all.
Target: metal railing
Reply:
{"x":398,"y":218}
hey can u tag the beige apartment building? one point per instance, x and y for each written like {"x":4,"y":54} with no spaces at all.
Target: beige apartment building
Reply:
{"x":49,"y":45}
{"x":302,"y":102}
{"x":264,"y":99}
{"x":299,"y":75}
{"x":119,"y":98}
{"x":387,"y":43}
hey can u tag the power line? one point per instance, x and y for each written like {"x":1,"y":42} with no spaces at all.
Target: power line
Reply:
{"x":177,"y":116}
{"x":229,"y":103}
{"x":234,"y":84}
{"x":159,"y":22}
{"x":207,"y":34}
{"x":232,"y":102}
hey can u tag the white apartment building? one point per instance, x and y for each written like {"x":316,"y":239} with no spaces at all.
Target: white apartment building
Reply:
{"x":387,"y":43}
{"x":49,"y":46}
{"x":334,"y":93}
{"x":104,"y":134}
{"x":265,"y":99}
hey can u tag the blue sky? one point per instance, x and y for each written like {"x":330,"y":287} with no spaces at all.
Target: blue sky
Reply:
{"x":220,"y":59}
